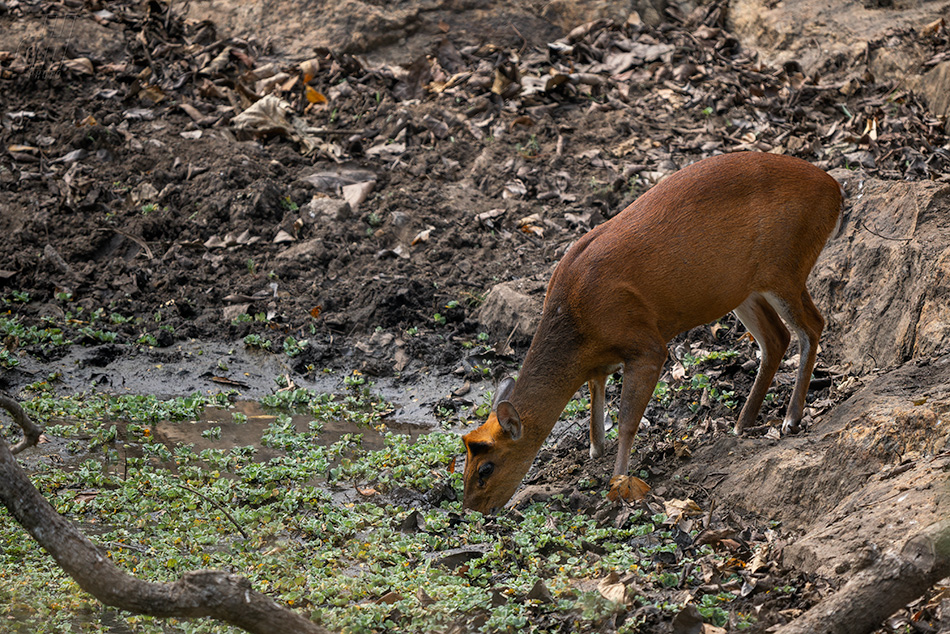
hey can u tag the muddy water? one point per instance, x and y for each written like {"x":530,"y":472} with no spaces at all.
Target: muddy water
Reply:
{"x":249,"y":433}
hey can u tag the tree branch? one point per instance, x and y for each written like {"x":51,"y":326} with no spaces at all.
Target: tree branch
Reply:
{"x":203,"y":593}
{"x":31,"y":431}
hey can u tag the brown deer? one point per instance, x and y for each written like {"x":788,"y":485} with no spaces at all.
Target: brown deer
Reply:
{"x":737,"y":232}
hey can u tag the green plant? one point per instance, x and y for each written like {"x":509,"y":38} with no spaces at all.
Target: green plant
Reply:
{"x":293,"y":347}
{"x":256,"y":341}
{"x":8,"y":359}
{"x":148,"y":208}
{"x":147,"y":339}
{"x":288,"y":204}
{"x":530,"y":148}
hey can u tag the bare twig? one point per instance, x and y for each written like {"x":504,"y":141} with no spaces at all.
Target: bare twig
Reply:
{"x":215,"y":504}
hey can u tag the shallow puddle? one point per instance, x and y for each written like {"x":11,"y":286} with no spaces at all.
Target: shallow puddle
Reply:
{"x":216,"y":428}
{"x":234,"y":434}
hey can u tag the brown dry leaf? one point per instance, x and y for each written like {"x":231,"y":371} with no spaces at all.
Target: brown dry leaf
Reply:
{"x":315,"y":311}
{"x":314,"y":96}
{"x":367,"y":492}
{"x":612,"y":589}
{"x":760,"y":559}
{"x":81,"y":65}
{"x":451,"y":466}
{"x":389,"y":598}
{"x":712,"y":629}
{"x":423,"y":598}
{"x":309,"y":68}
{"x":524,"y":120}
{"x":269,"y":115}
{"x":85,"y":496}
{"x":290,"y":82}
{"x":714,"y":536}
{"x":731,"y":545}
{"x":223,"y":380}
{"x":422,"y":236}
{"x":152,"y":92}
{"x":627,"y":487}
{"x":933,"y":28}
{"x":500,"y":83}
{"x":491,"y":214}
{"x":678,"y":372}
{"x":191,"y":111}
{"x":680,"y":509}
{"x":682,"y":450}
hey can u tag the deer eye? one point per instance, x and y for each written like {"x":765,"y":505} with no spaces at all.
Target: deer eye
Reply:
{"x":486,"y":470}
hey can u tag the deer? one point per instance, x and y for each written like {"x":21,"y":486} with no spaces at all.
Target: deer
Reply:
{"x":734,"y":232}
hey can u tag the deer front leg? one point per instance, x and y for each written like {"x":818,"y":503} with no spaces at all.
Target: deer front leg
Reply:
{"x":640,"y":374}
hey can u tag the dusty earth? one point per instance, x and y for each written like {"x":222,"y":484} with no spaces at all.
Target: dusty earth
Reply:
{"x":402,"y":179}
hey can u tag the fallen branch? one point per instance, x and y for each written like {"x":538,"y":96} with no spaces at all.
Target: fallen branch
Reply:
{"x":880,"y":590}
{"x":31,"y":431}
{"x":202,"y":593}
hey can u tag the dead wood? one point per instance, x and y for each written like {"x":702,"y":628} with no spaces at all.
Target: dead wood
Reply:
{"x":202,"y":593}
{"x":31,"y":431}
{"x":878,"y":591}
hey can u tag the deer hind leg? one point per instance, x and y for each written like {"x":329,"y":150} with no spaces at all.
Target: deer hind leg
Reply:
{"x":761,"y":319}
{"x":802,"y":315}
{"x":598,"y":406}
{"x":641,"y":371}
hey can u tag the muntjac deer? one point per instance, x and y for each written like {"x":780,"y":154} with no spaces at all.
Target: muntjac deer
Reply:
{"x":737,"y":232}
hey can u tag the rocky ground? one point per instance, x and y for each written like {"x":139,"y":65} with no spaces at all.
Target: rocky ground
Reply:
{"x":394,"y":186}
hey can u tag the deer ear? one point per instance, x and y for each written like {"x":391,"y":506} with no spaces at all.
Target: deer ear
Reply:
{"x":509,"y":419}
{"x":503,"y":391}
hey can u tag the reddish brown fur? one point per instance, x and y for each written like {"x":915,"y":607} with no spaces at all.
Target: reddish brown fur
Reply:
{"x":733,"y":232}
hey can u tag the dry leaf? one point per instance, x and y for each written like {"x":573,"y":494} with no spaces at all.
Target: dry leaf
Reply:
{"x":309,"y":68}
{"x":677,"y":510}
{"x":422,"y":236}
{"x":682,"y":450}
{"x":367,"y":492}
{"x":612,"y":589}
{"x":315,"y":311}
{"x":314,"y":96}
{"x":269,"y":115}
{"x":524,"y":121}
{"x":389,"y":598}
{"x":626,"y":487}
{"x":81,"y":65}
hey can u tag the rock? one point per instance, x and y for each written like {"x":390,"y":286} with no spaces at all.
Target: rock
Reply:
{"x":512,"y":309}
{"x":307,"y":250}
{"x":935,"y":88}
{"x":323,"y":208}
{"x":889,"y":255}
{"x":282,"y":237}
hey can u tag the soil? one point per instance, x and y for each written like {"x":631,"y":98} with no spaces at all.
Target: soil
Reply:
{"x":413,"y":165}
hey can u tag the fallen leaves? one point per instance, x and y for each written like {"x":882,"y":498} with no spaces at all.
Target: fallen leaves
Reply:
{"x":628,"y":488}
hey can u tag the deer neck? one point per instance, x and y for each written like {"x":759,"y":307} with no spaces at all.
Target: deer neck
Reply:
{"x":551,"y":374}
